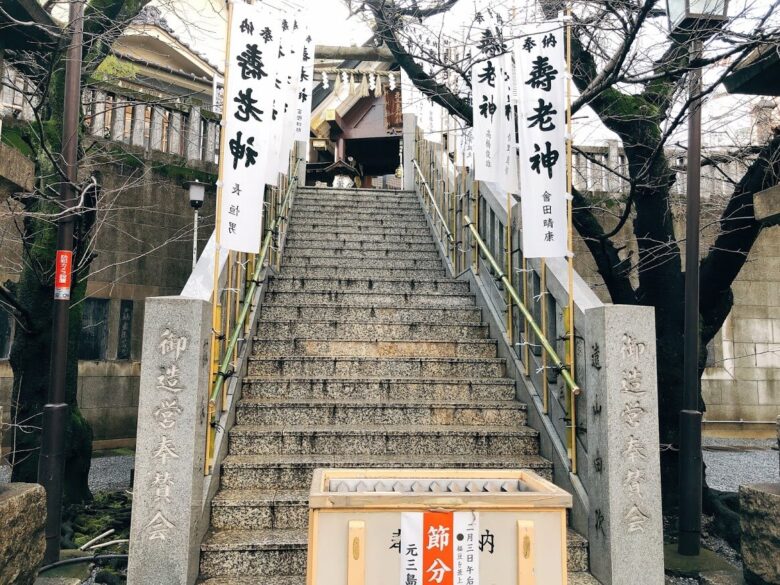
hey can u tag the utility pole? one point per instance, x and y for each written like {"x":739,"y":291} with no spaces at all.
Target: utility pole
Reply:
{"x":51,"y":463}
{"x":690,"y":416}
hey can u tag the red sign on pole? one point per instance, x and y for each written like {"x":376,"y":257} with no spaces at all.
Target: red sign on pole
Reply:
{"x":62,"y":275}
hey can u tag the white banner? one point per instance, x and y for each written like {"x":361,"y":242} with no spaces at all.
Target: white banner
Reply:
{"x":486,"y":81}
{"x":305,"y":90}
{"x":293,"y":61}
{"x":541,"y":70}
{"x":411,"y":548}
{"x":246,"y":120}
{"x":465,"y":150}
{"x":507,"y":144}
{"x":282,"y":41}
{"x":465,"y":527}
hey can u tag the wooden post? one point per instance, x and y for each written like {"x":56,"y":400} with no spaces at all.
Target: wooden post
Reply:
{"x":526,"y":555}
{"x":356,"y":560}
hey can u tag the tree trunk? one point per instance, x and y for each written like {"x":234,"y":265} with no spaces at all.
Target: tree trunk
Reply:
{"x":30,"y":361}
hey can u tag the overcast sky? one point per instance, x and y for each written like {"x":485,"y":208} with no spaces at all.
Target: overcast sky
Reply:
{"x":202,"y":23}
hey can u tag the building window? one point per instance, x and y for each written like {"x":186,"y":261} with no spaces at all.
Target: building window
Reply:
{"x":6,"y":334}
{"x":94,"y":330}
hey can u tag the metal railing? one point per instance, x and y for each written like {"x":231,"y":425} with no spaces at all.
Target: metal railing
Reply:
{"x":239,"y":285}
{"x":477,"y":232}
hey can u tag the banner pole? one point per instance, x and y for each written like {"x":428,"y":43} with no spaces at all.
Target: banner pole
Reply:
{"x":216,"y":313}
{"x":570,"y":213}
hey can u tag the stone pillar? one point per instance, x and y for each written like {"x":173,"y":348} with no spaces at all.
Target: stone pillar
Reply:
{"x":156,"y":128}
{"x":625,"y":524}
{"x":139,"y":122}
{"x":212,"y":138}
{"x":174,"y":133}
{"x":410,"y":124}
{"x":118,"y":120}
{"x":169,"y":460}
{"x":99,"y":117}
{"x":193,"y":149}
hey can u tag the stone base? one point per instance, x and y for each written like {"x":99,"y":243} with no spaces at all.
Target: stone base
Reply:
{"x":759,"y":506}
{"x":22,"y":520}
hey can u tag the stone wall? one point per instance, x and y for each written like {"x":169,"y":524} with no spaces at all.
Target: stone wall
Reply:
{"x":144,"y":249}
{"x":22,"y":520}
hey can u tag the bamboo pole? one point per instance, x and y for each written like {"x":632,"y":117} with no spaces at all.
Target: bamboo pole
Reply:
{"x":570,"y":212}
{"x":216,"y":313}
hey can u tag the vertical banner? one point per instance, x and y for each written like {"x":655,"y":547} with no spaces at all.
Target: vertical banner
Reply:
{"x":245,"y":119}
{"x":437,"y":548}
{"x":507,"y":144}
{"x":541,"y":70}
{"x":291,"y":92}
{"x":305,"y":90}
{"x":411,"y":548}
{"x":441,"y":548}
{"x":486,"y":81}
{"x":466,"y":530}
{"x":279,"y":74}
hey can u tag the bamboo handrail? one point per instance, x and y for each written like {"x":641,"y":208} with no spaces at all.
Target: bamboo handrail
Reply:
{"x":239,"y":325}
{"x":433,"y":202}
{"x":557,"y":363}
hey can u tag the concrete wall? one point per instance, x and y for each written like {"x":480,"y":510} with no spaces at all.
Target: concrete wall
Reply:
{"x":744,"y":380}
{"x":144,"y":249}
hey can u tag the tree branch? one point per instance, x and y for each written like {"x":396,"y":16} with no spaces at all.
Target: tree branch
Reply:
{"x":738,"y":232}
{"x":610,"y":266}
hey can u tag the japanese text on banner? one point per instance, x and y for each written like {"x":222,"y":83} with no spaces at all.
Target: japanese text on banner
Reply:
{"x":246,"y":118}
{"x":541,"y":70}
{"x":441,"y":548}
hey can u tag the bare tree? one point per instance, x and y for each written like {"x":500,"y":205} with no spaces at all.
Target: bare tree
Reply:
{"x":34,"y":216}
{"x":632,"y":76}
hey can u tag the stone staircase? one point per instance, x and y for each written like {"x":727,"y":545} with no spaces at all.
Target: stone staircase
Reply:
{"x":366,"y":355}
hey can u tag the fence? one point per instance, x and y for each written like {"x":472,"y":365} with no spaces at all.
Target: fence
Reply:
{"x":597,"y":415}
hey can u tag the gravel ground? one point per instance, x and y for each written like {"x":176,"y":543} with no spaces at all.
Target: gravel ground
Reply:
{"x":733,"y":462}
{"x":108,"y":473}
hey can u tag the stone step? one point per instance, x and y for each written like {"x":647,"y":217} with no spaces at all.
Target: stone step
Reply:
{"x":294,"y":472}
{"x":366,"y":206}
{"x":355,"y":196}
{"x":370,"y":299}
{"x":358,"y":213}
{"x":386,"y":285}
{"x":357,"y":262}
{"x":375,"y":389}
{"x":336,"y":271}
{"x":382,"y":254}
{"x":263,"y":553}
{"x":346,"y":412}
{"x":340,"y":346}
{"x":359,"y":367}
{"x":339,"y":221}
{"x":371,"y":439}
{"x":364,"y":245}
{"x":299,"y":312}
{"x":326,"y":239}
{"x":376,"y":233}
{"x":368,"y":331}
